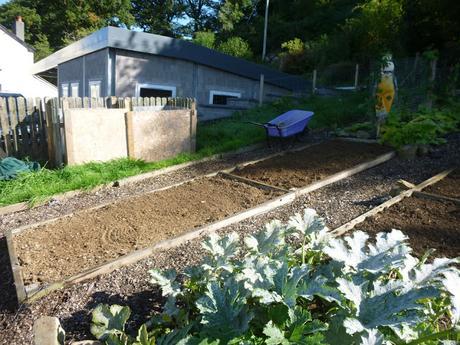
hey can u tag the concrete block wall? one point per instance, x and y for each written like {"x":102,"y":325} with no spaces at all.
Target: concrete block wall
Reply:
{"x":100,"y":134}
{"x":158,"y":135}
{"x":94,"y":135}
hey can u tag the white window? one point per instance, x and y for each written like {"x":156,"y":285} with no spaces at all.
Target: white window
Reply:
{"x":74,"y":90}
{"x":95,"y":89}
{"x":65,"y":90}
{"x":221,"y":97}
{"x":155,"y":90}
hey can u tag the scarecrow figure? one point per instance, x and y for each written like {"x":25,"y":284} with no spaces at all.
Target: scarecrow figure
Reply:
{"x":386,"y":89}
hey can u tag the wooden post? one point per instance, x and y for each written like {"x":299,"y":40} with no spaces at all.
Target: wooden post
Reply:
{"x":356,"y":77}
{"x":261,"y":89}
{"x":313,"y":84}
{"x":54,"y":132}
{"x":433,"y":65}
{"x":5,"y":126}
{"x":14,"y":123}
{"x":193,"y":121}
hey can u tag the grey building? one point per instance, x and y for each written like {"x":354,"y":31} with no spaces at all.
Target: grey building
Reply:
{"x":124,"y":63}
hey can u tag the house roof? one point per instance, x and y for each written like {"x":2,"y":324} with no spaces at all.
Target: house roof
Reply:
{"x":16,"y":38}
{"x":113,"y":37}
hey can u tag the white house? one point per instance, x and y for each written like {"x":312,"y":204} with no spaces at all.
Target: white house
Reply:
{"x":16,"y":61}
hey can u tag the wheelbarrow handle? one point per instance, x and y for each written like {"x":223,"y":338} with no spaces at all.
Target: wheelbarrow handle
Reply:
{"x":262,"y":124}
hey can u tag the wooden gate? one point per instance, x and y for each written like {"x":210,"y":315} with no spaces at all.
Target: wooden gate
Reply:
{"x":23,"y":128}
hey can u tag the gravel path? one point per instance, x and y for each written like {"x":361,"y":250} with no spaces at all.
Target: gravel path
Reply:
{"x":338,"y":203}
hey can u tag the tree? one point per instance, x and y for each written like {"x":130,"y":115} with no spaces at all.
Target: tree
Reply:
{"x":205,"y":38}
{"x":236,"y":46}
{"x":52,"y":24}
{"x":157,"y":16}
{"x":200,"y":14}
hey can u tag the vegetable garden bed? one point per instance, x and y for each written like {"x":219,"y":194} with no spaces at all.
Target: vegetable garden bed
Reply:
{"x":429,"y":224}
{"x":76,"y":247}
{"x":69,"y":245}
{"x":301,"y":168}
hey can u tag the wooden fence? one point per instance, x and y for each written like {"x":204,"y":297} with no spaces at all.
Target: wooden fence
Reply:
{"x":23,"y":128}
{"x":33,"y":128}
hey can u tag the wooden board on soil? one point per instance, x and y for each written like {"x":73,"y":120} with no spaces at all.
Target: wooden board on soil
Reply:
{"x":449,"y":186}
{"x":64,"y":247}
{"x":301,"y":168}
{"x":429,"y":224}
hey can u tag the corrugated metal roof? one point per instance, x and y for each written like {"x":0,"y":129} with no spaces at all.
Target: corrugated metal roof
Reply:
{"x":112,"y":37}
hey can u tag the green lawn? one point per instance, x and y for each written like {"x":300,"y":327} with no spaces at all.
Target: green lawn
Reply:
{"x":212,"y":137}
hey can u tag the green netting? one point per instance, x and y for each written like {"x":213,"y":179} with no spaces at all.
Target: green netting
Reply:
{"x":10,"y":168}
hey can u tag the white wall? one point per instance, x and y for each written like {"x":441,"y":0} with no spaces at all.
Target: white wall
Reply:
{"x":16,"y":70}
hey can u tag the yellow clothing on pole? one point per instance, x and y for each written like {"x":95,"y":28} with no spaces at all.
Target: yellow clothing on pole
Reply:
{"x":385,"y":95}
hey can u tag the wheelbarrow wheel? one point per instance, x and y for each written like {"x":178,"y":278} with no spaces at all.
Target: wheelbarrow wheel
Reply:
{"x":303,"y":136}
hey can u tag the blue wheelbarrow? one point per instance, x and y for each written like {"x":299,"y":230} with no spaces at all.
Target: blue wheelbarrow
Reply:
{"x":291,"y":123}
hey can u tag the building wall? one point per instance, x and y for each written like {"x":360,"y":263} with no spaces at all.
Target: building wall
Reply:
{"x":15,"y":70}
{"x":190,"y":80}
{"x":133,"y":68}
{"x":83,"y":70}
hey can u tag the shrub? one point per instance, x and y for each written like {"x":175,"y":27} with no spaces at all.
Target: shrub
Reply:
{"x":236,"y":46}
{"x":205,"y":38}
{"x":294,"y":284}
{"x":425,"y":128}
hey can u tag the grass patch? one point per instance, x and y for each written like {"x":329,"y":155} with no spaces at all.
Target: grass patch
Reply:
{"x":212,"y":137}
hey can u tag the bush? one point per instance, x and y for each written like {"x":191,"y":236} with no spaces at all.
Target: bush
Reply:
{"x":237,"y":47}
{"x":294,"y":284}
{"x":426,"y":127}
{"x":205,"y":38}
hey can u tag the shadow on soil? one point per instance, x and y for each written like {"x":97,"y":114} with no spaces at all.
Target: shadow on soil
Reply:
{"x":143,"y":304}
{"x":8,"y":300}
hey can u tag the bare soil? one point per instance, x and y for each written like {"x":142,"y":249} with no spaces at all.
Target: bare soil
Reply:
{"x":89,"y":238}
{"x":448,"y":186}
{"x":301,"y":168}
{"x":429,"y":225}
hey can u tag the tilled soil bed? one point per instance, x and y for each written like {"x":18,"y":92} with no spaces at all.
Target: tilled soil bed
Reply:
{"x":428,"y":224}
{"x":448,"y":186}
{"x":89,"y":238}
{"x":301,"y":168}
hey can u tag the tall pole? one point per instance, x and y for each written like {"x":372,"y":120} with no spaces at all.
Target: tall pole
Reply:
{"x":264,"y":49}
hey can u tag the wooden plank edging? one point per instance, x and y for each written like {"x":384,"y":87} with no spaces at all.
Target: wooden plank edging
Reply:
{"x":252,"y":182}
{"x":436,"y":197}
{"x":345,"y":173}
{"x":351,"y":224}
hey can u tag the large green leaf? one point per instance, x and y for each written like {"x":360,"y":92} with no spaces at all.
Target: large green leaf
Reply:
{"x":224,"y":311}
{"x":108,"y":320}
{"x":389,"y":251}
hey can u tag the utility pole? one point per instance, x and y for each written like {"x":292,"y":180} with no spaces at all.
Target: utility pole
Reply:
{"x":264,"y":49}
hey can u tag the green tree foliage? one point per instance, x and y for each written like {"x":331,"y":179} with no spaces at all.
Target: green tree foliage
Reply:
{"x":52,"y":24}
{"x":205,"y":38}
{"x":329,"y":31}
{"x":200,"y":15}
{"x":236,"y":46}
{"x":157,"y":16}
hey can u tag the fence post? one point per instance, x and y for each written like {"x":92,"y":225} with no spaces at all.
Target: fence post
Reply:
{"x":4,"y":125}
{"x":356,"y":77}
{"x":54,"y":132}
{"x":313,"y":84}
{"x":261,"y":89}
{"x":433,"y":65}
{"x":193,"y":121}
